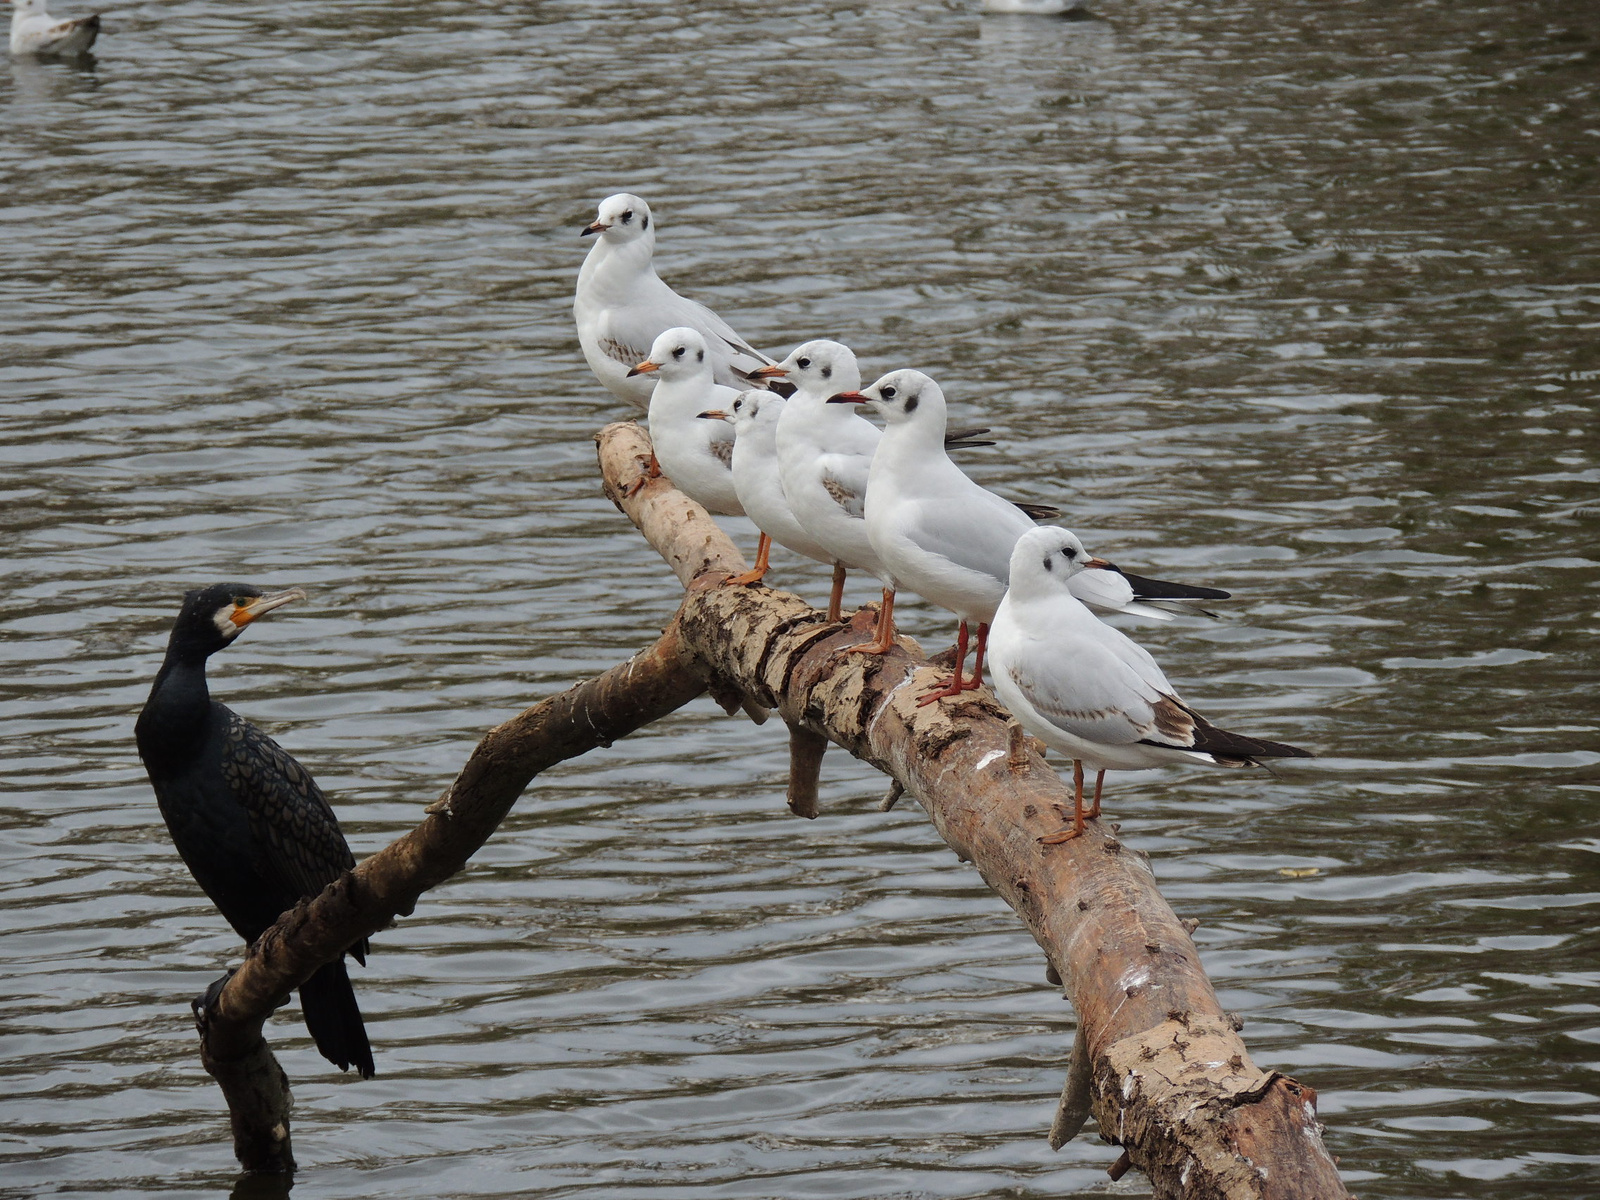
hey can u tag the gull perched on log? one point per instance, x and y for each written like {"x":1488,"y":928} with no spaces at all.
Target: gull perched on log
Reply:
{"x":941,"y":535}
{"x":622,"y":306}
{"x":1089,"y":690}
{"x":36,"y":32}
{"x":824,"y":456}
{"x":754,"y":416}
{"x":696,"y":455}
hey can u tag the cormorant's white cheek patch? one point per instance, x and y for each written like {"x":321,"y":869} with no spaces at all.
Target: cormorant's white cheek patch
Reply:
{"x":225,"y":623}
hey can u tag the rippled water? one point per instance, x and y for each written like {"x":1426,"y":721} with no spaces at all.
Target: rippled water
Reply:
{"x":1294,"y":298}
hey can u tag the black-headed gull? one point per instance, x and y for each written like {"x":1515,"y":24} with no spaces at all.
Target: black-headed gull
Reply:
{"x":696,"y":455}
{"x":939,"y":534}
{"x":824,"y":456}
{"x":1089,"y":690}
{"x":621,"y":306}
{"x":753,"y":416}
{"x":34,"y":31}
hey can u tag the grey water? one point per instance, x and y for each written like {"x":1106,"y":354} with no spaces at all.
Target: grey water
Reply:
{"x":1297,"y":299}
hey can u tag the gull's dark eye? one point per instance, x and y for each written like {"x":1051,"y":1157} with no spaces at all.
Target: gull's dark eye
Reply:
{"x":678,"y":353}
{"x":1069,"y":553}
{"x":738,"y":406}
{"x":887,"y":393}
{"x":627,"y":216}
{"x":912,"y":402}
{"x":802,"y":363}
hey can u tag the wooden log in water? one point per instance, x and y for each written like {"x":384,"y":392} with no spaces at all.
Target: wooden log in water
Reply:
{"x":1157,"y":1061}
{"x":1166,"y":1074}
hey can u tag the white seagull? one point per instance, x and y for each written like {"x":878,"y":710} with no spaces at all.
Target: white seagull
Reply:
{"x":824,"y":456}
{"x":754,"y":417}
{"x":696,"y":455}
{"x":621,"y":306}
{"x":939,"y":534}
{"x":1087,"y":689}
{"x":34,"y":31}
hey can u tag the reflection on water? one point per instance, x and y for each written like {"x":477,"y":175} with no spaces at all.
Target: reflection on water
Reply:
{"x":1294,"y":299}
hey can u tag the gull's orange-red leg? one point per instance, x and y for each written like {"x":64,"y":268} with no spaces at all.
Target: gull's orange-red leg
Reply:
{"x":884,"y":641}
{"x":977,"y":663}
{"x":1066,"y":835}
{"x":648,"y":471}
{"x":1098,"y":780}
{"x":757,"y":572}
{"x":951,"y":687}
{"x":836,"y":597}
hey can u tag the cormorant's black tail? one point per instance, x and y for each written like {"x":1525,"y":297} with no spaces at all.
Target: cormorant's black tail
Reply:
{"x":329,"y":1004}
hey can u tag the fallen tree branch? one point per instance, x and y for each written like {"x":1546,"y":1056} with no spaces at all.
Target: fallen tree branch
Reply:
{"x":1165,"y":1072}
{"x":651,"y":684}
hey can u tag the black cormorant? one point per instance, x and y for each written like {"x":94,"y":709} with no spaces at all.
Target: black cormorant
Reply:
{"x":249,"y":821}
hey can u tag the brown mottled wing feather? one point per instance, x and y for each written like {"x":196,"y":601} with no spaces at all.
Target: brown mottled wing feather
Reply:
{"x":723,"y":449}
{"x":844,"y":496}
{"x":302,"y":848}
{"x":622,"y":352}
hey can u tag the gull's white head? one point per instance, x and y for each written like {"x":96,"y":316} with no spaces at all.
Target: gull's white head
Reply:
{"x":752,"y":408}
{"x":902,"y":398}
{"x":1045,"y":558}
{"x":677,"y":354}
{"x":819,"y":368}
{"x":622,"y":218}
{"x":27,"y":8}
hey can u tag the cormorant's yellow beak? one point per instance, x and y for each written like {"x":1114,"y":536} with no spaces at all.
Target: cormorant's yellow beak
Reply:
{"x":262,"y":605}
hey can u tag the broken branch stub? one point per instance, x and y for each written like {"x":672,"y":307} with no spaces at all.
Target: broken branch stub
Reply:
{"x":1167,"y":1076}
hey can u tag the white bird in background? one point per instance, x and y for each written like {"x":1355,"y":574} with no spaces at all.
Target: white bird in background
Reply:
{"x":1087,"y":689}
{"x":1038,"y":8}
{"x":824,"y":456}
{"x":939,"y":534}
{"x":621,"y":307}
{"x":754,"y":417}
{"x":34,"y":31}
{"x":696,"y":455}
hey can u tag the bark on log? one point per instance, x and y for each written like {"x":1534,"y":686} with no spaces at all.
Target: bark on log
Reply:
{"x":1169,"y":1079}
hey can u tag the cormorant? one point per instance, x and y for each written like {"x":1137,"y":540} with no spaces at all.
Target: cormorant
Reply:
{"x":249,"y":821}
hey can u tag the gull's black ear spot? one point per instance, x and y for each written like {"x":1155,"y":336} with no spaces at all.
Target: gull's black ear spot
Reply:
{"x":827,"y":372}
{"x":699,"y":356}
{"x":912,"y":402}
{"x":1049,"y":564}
{"x":645,"y":224}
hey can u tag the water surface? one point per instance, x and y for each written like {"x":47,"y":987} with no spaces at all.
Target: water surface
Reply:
{"x":1295,"y":299}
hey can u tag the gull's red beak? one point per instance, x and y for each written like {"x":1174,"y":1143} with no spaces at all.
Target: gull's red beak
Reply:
{"x":644,"y":368}
{"x":595,"y":227}
{"x":714,"y":414}
{"x":849,"y":398}
{"x":770,"y":371}
{"x":1101,"y":563}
